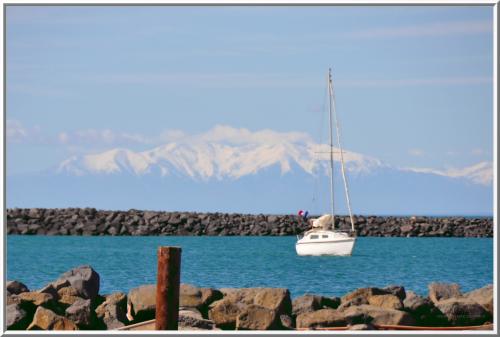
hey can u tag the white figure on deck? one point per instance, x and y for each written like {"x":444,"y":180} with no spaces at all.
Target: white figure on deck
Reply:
{"x":323,"y":221}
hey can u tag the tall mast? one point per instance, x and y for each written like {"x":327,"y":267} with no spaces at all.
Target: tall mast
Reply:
{"x":331,"y":144}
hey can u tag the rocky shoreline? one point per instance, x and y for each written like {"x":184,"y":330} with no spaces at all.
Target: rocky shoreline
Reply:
{"x":89,"y":221}
{"x":73,"y":302}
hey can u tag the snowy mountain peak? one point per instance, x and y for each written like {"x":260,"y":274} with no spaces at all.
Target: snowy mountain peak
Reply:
{"x":230,"y":153}
{"x":215,"y":158}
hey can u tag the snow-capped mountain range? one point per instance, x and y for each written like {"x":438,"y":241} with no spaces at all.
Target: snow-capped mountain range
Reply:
{"x":204,"y":161}
{"x":224,"y":158}
{"x":235,"y":170}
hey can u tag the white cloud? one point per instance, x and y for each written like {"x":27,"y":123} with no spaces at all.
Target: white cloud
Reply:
{"x":103,"y":137}
{"x":228,"y":134}
{"x":18,"y":133}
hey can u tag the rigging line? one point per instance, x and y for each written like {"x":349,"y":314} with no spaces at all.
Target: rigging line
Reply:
{"x":346,"y":188}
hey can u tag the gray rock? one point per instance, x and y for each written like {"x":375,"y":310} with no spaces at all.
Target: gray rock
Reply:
{"x":16,"y":317}
{"x":423,"y":310}
{"x":81,"y":313}
{"x":398,"y":291}
{"x":255,"y":317}
{"x":387,"y":301}
{"x":49,"y":289}
{"x":112,"y":313}
{"x":192,"y":320}
{"x":306,"y":303}
{"x":363,"y":293}
{"x":16,"y":287}
{"x":141,"y":303}
{"x":482,"y":296}
{"x":463,"y":312}
{"x":198,"y":298}
{"x":84,"y":279}
{"x":377,"y":316}
{"x":443,"y":291}
{"x":320,"y":319}
{"x":45,"y":319}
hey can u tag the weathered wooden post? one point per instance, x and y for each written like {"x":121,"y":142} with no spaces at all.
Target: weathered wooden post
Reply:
{"x":167,"y":288}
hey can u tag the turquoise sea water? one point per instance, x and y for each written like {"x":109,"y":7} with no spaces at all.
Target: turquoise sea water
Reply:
{"x":127,"y":262}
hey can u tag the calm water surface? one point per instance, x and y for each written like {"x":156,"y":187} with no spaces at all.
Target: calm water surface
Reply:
{"x":126,"y":262}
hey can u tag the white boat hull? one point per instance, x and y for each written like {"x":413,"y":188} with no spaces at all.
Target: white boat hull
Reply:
{"x":338,"y":245}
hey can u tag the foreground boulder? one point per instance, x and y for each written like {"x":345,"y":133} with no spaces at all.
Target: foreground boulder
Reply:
{"x":309,"y":303}
{"x":360,"y":296}
{"x":84,"y":279}
{"x":29,"y":301}
{"x":255,"y":317}
{"x":443,"y":291}
{"x":46,"y":319}
{"x":16,"y":317}
{"x":388,"y":301}
{"x":463,"y":312}
{"x":16,"y":287}
{"x":141,"y":303}
{"x":423,"y":310}
{"x":376,"y":315}
{"x":398,"y":291}
{"x":112,"y":313}
{"x":482,"y":296}
{"x":81,"y":314}
{"x":198,"y":298}
{"x":225,"y":312}
{"x":193,"y":320}
{"x":321,"y":318}
{"x":68,"y":295}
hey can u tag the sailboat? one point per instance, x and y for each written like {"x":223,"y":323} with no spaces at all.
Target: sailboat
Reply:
{"x":323,"y":238}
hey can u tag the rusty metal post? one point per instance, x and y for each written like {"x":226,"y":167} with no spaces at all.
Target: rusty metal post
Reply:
{"x":167,"y":288}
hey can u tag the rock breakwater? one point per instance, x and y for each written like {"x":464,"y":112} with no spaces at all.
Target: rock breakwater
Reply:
{"x":89,"y":221}
{"x":73,"y":302}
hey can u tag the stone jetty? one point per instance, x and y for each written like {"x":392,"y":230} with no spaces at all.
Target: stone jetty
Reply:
{"x":73,"y":302}
{"x":89,"y":221}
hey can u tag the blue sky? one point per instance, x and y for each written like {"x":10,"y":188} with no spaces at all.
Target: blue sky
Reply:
{"x":413,"y":84}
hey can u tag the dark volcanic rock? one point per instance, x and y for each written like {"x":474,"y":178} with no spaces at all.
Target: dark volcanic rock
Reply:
{"x":74,"y":221}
